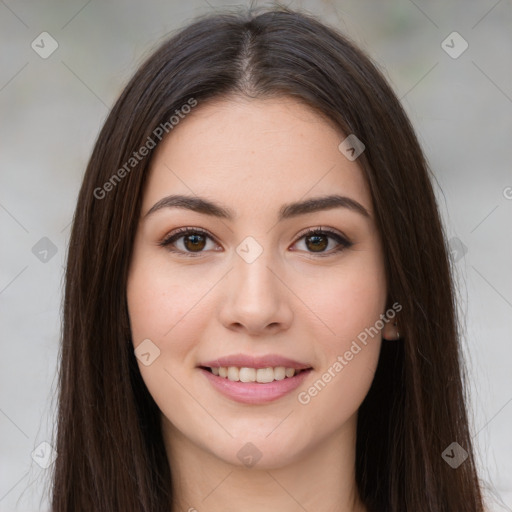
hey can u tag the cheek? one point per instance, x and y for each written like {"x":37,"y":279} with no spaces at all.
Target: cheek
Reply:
{"x":160,"y":299}
{"x":349,"y":349}
{"x":347,"y":300}
{"x":168,"y":307}
{"x":165,"y":308}
{"x":155,"y":306}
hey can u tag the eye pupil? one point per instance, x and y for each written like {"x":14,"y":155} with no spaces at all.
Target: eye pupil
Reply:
{"x":318,"y":243}
{"x":198,"y":241}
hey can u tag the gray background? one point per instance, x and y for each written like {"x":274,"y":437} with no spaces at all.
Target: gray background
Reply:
{"x":51,"y":112}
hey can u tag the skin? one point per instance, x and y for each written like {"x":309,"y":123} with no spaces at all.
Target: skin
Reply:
{"x":254,"y":156}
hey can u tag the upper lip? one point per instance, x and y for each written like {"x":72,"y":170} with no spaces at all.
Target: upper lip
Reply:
{"x":246,"y":361}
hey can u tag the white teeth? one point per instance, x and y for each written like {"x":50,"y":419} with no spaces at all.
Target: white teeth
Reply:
{"x":264,"y":375}
{"x":261,"y":375}
{"x":233,"y":373}
{"x":247,"y":374}
{"x":279,"y":373}
{"x":289,"y":372}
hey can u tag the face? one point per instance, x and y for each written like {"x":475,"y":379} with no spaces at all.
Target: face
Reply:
{"x":264,"y":285}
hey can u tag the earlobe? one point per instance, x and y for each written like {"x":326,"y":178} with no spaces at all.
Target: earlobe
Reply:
{"x":391,"y":332}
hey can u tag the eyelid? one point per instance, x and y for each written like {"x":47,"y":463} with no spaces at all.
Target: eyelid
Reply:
{"x":186,"y":230}
{"x":342,"y":240}
{"x":180,"y":232}
{"x":323,"y":229}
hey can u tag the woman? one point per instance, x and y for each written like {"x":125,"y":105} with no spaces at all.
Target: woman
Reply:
{"x":259,"y":312}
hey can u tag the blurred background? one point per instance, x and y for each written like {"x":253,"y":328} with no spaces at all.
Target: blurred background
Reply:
{"x":62,"y":66}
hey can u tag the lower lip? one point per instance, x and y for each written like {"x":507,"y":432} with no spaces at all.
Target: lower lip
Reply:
{"x":254,"y":392}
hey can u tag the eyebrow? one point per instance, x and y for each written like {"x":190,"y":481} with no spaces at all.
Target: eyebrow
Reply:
{"x":287,"y":211}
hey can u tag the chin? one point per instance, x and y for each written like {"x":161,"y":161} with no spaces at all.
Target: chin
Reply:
{"x":258,"y":455}
{"x":261,"y":450}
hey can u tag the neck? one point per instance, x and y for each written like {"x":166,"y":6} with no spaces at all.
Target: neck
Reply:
{"x":322,"y":479}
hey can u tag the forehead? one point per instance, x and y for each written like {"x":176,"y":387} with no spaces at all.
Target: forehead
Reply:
{"x":256,"y":152}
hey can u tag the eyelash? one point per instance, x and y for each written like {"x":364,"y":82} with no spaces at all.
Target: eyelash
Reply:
{"x":343,"y":242}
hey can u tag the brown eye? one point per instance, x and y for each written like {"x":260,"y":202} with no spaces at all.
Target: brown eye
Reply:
{"x":318,"y":243}
{"x":193,"y":241}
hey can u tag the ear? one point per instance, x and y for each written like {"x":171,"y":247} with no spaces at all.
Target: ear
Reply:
{"x":391,"y":330}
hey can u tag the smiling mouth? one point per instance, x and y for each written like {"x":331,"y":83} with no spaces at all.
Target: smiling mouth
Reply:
{"x":257,"y":375}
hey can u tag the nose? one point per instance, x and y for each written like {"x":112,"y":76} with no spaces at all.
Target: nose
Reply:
{"x":256,"y":300}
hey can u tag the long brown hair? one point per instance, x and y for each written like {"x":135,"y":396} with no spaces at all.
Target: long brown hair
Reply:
{"x":111,"y":455}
